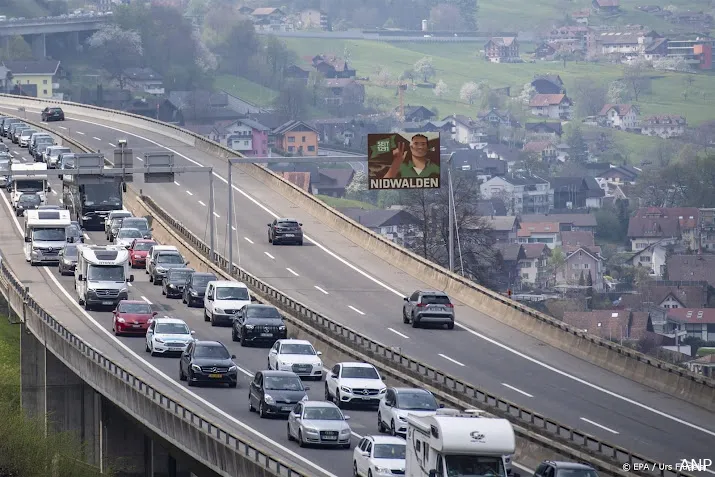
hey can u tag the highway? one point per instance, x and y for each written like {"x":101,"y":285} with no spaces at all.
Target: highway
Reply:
{"x":322,"y":274}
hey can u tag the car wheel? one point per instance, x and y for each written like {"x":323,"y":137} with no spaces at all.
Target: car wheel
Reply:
{"x":393,"y":432}
{"x":300,"y":243}
{"x":327,"y":393}
{"x":206,"y":315}
{"x":163,"y":292}
{"x":380,"y":425}
{"x":450,"y":326}
{"x":182,"y":376}
{"x":269,"y":365}
{"x":152,"y":352}
{"x":369,"y":473}
{"x":233,"y":385}
{"x":300,"y":439}
{"x":250,"y":404}
{"x":190,"y":379}
{"x":243,"y":341}
{"x":270,"y":240}
{"x":146,"y":347}
{"x":151,"y":278}
{"x":348,"y":446}
{"x":114,"y":330}
{"x":355,"y":472}
{"x":261,"y":410}
{"x":183,"y":299}
{"x":415,"y":323}
{"x":404,"y":316}
{"x":213,"y":320}
{"x":234,"y":336}
{"x":288,"y":434}
{"x":337,"y":400}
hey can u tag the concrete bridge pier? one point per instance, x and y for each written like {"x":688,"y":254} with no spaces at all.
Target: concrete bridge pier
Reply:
{"x":39,"y":46}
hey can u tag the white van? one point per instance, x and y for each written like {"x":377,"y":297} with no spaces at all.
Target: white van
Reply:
{"x":153,"y":251}
{"x":223,"y":299}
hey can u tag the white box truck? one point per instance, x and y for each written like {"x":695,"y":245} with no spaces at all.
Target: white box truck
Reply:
{"x":449,"y":443}
{"x":101,"y":275}
{"x":32,"y":181}
{"x":45,"y":235}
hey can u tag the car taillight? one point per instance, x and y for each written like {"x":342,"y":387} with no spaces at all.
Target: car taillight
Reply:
{"x":420,"y":305}
{"x":449,"y":305}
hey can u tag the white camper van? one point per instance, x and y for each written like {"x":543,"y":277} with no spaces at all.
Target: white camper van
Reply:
{"x":450,"y":443}
{"x":102,"y":275}
{"x":45,"y":235}
{"x":33,"y":181}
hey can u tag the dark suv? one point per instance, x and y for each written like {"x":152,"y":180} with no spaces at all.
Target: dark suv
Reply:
{"x":285,"y":231}
{"x":174,"y":282}
{"x":208,"y":362}
{"x":53,"y":114}
{"x":258,"y":324}
{"x":550,"y":468}
{"x":195,"y":288}
{"x":428,"y":307}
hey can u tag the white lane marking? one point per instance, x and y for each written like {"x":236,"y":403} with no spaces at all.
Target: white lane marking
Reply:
{"x":233,"y":228}
{"x":129,"y":283}
{"x":96,"y":138}
{"x":113,"y":145}
{"x":145,"y":299}
{"x":246,"y":238}
{"x":516,"y":389}
{"x":216,"y":215}
{"x":398,"y":333}
{"x":292,"y":272}
{"x":189,"y":192}
{"x":62,"y":127}
{"x":12,"y":152}
{"x":86,"y":237}
{"x":80,"y":133}
{"x":270,"y":256}
{"x":200,"y":202}
{"x":320,"y":289}
{"x":599,"y":425}
{"x":450,"y":359}
{"x":54,"y":192}
{"x":355,"y":309}
{"x":402,"y":295}
{"x":139,"y":159}
{"x":177,"y":183}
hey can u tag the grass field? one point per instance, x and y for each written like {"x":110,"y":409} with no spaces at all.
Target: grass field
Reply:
{"x":23,"y":8}
{"x":245,"y":89}
{"x":9,"y":362}
{"x":337,"y":202}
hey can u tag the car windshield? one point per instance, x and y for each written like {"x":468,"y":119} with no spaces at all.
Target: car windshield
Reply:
{"x":217,"y":352}
{"x":202,"y":281}
{"x":435,"y":299}
{"x":232,"y":293}
{"x":129,"y":233}
{"x":24,"y":185}
{"x":576,"y":473}
{"x":49,"y":235}
{"x":136,"y":224}
{"x":474,"y":466}
{"x":359,"y":372}
{"x":422,"y":401}
{"x":179,"y":275}
{"x":117,"y":222}
{"x":71,"y":251}
{"x":169,"y":258}
{"x":389,"y":451}
{"x":105,"y":273}
{"x":297,"y":348}
{"x":30,"y":198}
{"x":322,"y":414}
{"x":287,"y":224}
{"x":135,"y":308}
{"x":172,"y":329}
{"x":262,"y":312}
{"x":28,"y":132}
{"x":143,"y":246}
{"x":283,"y":383}
{"x":73,"y":231}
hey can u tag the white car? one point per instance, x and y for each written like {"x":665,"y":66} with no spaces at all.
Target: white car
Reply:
{"x":399,"y":402}
{"x":125,"y":237}
{"x":223,"y":299}
{"x":168,"y":335}
{"x":353,"y":383}
{"x":379,"y":456}
{"x":51,"y":156}
{"x":297,"y":356}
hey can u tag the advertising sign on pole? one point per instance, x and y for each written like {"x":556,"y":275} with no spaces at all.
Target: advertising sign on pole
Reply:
{"x":403,"y":161}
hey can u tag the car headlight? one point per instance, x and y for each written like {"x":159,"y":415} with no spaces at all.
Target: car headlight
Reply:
{"x":35,"y":249}
{"x":193,"y":293}
{"x":311,"y":430}
{"x":281,"y":328}
{"x":346,"y":389}
{"x":124,"y":290}
{"x":158,"y":340}
{"x":171,"y":285}
{"x":232,"y":368}
{"x":383,"y":390}
{"x":345,"y":431}
{"x":160,"y":269}
{"x":86,"y":217}
{"x":281,"y":363}
{"x":219,"y":311}
{"x":249,"y":327}
{"x":120,"y":319}
{"x":196,"y":367}
{"x":305,"y":398}
{"x":269,"y":399}
{"x":382,"y":470}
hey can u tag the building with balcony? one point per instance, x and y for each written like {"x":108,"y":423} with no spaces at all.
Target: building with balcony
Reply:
{"x":502,"y":50}
{"x":663,"y":125}
{"x":521,"y":194}
{"x":554,"y":106}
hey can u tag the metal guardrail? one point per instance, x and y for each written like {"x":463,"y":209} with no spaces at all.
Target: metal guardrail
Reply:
{"x":54,"y":20}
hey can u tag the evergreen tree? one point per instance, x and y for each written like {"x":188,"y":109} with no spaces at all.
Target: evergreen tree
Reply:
{"x":581,"y":280}
{"x":578,"y":149}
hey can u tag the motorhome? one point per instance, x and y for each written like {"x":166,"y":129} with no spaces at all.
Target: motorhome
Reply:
{"x":45,"y":235}
{"x":452,"y":443}
{"x":5,"y":164}
{"x":32,"y":179}
{"x":101,"y":275}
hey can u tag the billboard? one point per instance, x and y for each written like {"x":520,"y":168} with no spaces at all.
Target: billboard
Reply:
{"x":403,"y":161}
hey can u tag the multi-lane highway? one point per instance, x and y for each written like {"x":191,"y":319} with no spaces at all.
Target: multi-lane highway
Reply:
{"x":337,"y":278}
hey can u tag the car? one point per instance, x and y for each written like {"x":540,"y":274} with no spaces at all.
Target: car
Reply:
{"x":7,"y":124}
{"x":125,"y":236}
{"x":354,"y":383}
{"x":114,"y":225}
{"x":51,"y":156}
{"x":258,"y":324}
{"x":17,"y":131}
{"x":319,"y":423}
{"x":115,"y":214}
{"x":3,"y":147}
{"x":206,"y":362}
{"x":174,"y":282}
{"x":132,"y":317}
{"x":152,"y":254}
{"x":428,"y":307}
{"x":379,"y":456}
{"x":168,"y":335}
{"x":68,"y":260}
{"x":37,"y":138}
{"x":140,"y":223}
{"x":27,"y":202}
{"x":74,"y":233}
{"x":285,"y":231}
{"x":554,"y":468}
{"x":49,"y":207}
{"x":40,"y":147}
{"x":138,"y":251}
{"x":195,"y":288}
{"x":276,"y":393}
{"x":165,"y":261}
{"x":223,"y":299}
{"x":298,"y":356}
{"x":52,"y":113}
{"x":398,"y":402}
{"x":24,"y":138}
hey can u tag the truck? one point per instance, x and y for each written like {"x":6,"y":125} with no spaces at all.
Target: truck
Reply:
{"x":32,"y":181}
{"x":451,"y":443}
{"x":45,"y":235}
{"x":90,"y":204}
{"x":101,"y":275}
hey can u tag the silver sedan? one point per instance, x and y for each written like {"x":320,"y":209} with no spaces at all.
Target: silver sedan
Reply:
{"x":319,"y":423}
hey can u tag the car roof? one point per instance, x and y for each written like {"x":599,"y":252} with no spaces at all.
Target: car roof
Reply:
{"x":319,"y":404}
{"x":259,"y":305}
{"x":433,"y":292}
{"x":180,"y":269}
{"x":284,"y":219}
{"x":560,"y":464}
{"x":133,"y":302}
{"x":227,"y":284}
{"x":355,"y":364}
{"x":386,"y":439}
{"x":208,"y":343}
{"x":411,"y":390}
{"x":204,"y":274}
{"x":168,"y":319}
{"x":295,"y":341}
{"x":273,"y":372}
{"x":144,"y":240}
{"x":128,"y":228}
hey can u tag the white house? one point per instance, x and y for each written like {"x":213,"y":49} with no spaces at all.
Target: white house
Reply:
{"x":663,"y":125}
{"x":554,"y":106}
{"x":145,"y":80}
{"x":653,"y":257}
{"x":546,"y":233}
{"x":467,"y":131}
{"x":533,"y":267}
{"x":521,"y":195}
{"x":619,"y":116}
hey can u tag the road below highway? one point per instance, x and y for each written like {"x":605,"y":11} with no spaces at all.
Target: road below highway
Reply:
{"x":324,"y":276}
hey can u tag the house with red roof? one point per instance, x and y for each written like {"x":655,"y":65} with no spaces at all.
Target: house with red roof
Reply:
{"x":554,"y":106}
{"x":619,"y":116}
{"x":663,"y":125}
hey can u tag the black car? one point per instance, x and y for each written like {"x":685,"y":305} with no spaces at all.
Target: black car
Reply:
{"x":285,"y":231}
{"x":27,"y":202}
{"x":552,"y":468}
{"x":39,"y":147}
{"x":6,"y":123}
{"x":195,"y":288}
{"x":275,"y":392}
{"x":174,"y":282}
{"x":53,"y":114}
{"x":208,"y":362}
{"x":68,"y":260}
{"x":258,"y":324}
{"x":74,"y":233}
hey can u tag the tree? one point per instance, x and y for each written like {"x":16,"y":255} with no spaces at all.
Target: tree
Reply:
{"x":441,"y":89}
{"x":589,"y":97}
{"x":636,"y":80}
{"x":17,"y":49}
{"x":382,"y":76}
{"x":581,"y":280}
{"x":425,"y":68}
{"x":527,"y":92}
{"x":358,"y":186}
{"x":408,"y":75}
{"x":446,"y":17}
{"x":292,"y":100}
{"x":617,"y":92}
{"x":578,"y":149}
{"x":555,"y":262}
{"x":469,"y":92}
{"x":116,"y":50}
{"x":469,"y":11}
{"x":197,"y":10}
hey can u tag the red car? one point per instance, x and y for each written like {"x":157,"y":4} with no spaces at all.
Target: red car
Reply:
{"x":138,"y":251}
{"x":132,"y":317}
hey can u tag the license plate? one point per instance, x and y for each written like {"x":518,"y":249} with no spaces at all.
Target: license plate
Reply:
{"x":289,"y":235}
{"x":330,"y":438}
{"x":107,"y":303}
{"x":137,"y":326}
{"x":215,"y":375}
{"x":365,"y":398}
{"x":266,"y":335}
{"x":286,"y":408}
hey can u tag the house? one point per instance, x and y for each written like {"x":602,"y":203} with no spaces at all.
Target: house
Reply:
{"x":546,"y":233}
{"x":577,"y":36}
{"x":606,"y":6}
{"x":144,"y":80}
{"x":331,"y":66}
{"x":395,"y":224}
{"x":466,"y":130}
{"x":544,"y":50}
{"x":297,"y":73}
{"x":619,"y":116}
{"x":658,"y":48}
{"x":503,"y":229}
{"x":313,"y":19}
{"x":39,"y":73}
{"x":492,"y":208}
{"x":541,"y":150}
{"x":614,"y":325}
{"x":521,"y":194}
{"x":576,"y":192}
{"x":322,"y":181}
{"x":687,"y":217}
{"x":651,"y":225}
{"x":567,"y":222}
{"x":544,"y":130}
{"x":548,"y":84}
{"x":696,"y":322}
{"x":663,"y":125}
{"x":502,"y":50}
{"x":343,"y":92}
{"x":667,"y":295}
{"x":416,"y":113}
{"x":477,"y":163}
{"x":653,"y":257}
{"x":532,"y":267}
{"x":620,"y":43}
{"x":582,"y":262}
{"x":152,"y":107}
{"x":691,"y":268}
{"x":706,"y":230}
{"x":704,"y":365}
{"x":247,"y":136}
{"x":509,"y":154}
{"x":497,"y":118}
{"x":511,"y":255}
{"x":573,"y":240}
{"x":112,"y":98}
{"x":620,"y":174}
{"x":554,"y":106}
{"x":202,"y":107}
{"x":269,"y":19}
{"x":297,"y":137}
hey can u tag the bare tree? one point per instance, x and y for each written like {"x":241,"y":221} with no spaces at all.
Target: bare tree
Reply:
{"x":636,"y":79}
{"x":425,"y":68}
{"x":589,"y":97}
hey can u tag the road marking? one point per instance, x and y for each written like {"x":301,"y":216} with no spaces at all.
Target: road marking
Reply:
{"x":320,"y":289}
{"x":269,"y":255}
{"x":398,"y":333}
{"x":292,"y":272}
{"x":97,"y":138}
{"x":599,"y":425}
{"x":129,"y":283}
{"x":516,"y":389}
{"x":62,"y":127}
{"x":177,"y":183}
{"x":86,"y":237}
{"x":80,"y":133}
{"x":247,"y":239}
{"x":189,"y":192}
{"x":113,"y":145}
{"x":140,"y":159}
{"x":450,"y":359}
{"x":145,"y":299}
{"x":355,"y":309}
{"x":54,"y":192}
{"x":216,"y":215}
{"x":233,"y":228}
{"x":202,"y":203}
{"x":12,"y":152}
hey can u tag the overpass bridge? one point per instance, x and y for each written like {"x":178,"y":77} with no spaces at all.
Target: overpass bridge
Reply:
{"x":36,"y":30}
